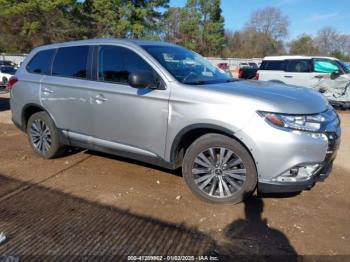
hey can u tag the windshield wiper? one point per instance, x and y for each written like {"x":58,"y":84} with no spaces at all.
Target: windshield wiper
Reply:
{"x":196,"y":83}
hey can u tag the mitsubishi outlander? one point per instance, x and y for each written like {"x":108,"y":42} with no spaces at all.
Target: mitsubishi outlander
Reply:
{"x":163,"y":104}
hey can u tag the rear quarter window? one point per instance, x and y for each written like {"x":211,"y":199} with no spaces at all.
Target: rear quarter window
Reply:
{"x":40,"y":63}
{"x":276,"y":65}
{"x":71,"y":62}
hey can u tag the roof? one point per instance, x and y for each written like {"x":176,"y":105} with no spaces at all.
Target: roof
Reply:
{"x":107,"y":41}
{"x":295,"y":57}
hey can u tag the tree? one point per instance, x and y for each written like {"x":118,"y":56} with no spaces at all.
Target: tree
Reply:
{"x":304,"y":45}
{"x":269,"y":20}
{"x":199,"y":26}
{"x":250,"y":43}
{"x":172,"y":21}
{"x":130,"y":19}
{"x":214,"y":32}
{"x":25,"y":24}
{"x":330,"y":41}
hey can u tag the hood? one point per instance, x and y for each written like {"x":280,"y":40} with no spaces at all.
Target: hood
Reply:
{"x":276,"y":97}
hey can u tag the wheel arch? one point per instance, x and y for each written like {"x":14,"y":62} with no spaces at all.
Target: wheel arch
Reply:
{"x":190,"y":133}
{"x":29,"y":110}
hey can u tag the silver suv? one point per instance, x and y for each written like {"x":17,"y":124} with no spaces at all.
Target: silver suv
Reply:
{"x":163,"y":104}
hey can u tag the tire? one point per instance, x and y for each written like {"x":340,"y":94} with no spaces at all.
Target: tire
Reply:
{"x":41,"y":126}
{"x":225,"y":158}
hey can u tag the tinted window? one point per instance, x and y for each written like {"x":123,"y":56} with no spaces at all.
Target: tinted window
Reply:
{"x":299,"y":66}
{"x":116,"y":63}
{"x":273,"y":65}
{"x":40,"y":63}
{"x":325,"y":66}
{"x":71,"y":62}
{"x":8,"y":70}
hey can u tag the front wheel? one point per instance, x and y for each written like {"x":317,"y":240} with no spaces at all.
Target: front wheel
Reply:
{"x":219,"y":169}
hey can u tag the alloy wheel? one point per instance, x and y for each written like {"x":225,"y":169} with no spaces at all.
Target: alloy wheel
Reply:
{"x":40,"y":136}
{"x":218,"y":172}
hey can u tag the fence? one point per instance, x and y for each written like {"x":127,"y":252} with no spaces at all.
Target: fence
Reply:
{"x":15,"y":58}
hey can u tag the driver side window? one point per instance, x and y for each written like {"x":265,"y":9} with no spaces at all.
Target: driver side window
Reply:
{"x":325,"y":66}
{"x":116,"y":63}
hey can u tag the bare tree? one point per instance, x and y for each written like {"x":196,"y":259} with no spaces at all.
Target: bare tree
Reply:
{"x":329,"y":41}
{"x":269,"y":20}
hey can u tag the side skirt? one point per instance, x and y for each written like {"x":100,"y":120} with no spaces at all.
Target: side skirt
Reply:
{"x":113,"y":148}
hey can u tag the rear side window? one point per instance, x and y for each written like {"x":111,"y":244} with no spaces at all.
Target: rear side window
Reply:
{"x":116,"y":63}
{"x":71,"y":62}
{"x":40,"y":63}
{"x":299,"y":66}
{"x":277,"y":65}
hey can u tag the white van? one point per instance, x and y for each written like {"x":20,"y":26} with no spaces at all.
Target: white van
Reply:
{"x":328,"y":75}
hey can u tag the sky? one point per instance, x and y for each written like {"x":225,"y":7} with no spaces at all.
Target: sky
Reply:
{"x":305,"y":16}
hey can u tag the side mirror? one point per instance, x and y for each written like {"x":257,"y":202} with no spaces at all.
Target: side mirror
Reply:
{"x":335,"y":74}
{"x":142,"y":79}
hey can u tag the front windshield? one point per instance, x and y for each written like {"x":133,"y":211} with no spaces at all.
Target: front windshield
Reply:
{"x":345,"y":67}
{"x":186,"y":66}
{"x":8,"y":70}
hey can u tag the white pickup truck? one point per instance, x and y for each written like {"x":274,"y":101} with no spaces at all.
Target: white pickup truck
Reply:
{"x":328,"y":75}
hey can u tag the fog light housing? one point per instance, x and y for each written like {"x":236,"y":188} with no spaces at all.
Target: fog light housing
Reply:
{"x":298,"y":174}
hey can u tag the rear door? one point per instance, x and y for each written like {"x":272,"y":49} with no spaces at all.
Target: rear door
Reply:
{"x":65,"y":93}
{"x":127,"y":118}
{"x":298,"y":72}
{"x":272,"y":70}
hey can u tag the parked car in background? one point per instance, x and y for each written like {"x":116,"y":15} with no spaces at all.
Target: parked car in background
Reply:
{"x":247,"y":70}
{"x":244,"y":65}
{"x":163,"y":104}
{"x":5,"y":74}
{"x":6,"y":63}
{"x":253,"y":65}
{"x":327,"y":75}
{"x":225,"y":67}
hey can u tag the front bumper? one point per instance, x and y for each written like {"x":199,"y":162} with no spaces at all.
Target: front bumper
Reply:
{"x":322,"y":172}
{"x":290,"y":161}
{"x":290,"y":187}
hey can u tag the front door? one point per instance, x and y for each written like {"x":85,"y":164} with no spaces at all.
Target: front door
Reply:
{"x":334,"y":87}
{"x":127,"y":118}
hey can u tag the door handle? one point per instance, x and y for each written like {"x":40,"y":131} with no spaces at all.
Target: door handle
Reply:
{"x":319,"y":76}
{"x":288,"y":76}
{"x":46,"y":90}
{"x":100,"y":99}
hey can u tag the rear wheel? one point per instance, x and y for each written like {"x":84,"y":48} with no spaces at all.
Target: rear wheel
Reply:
{"x":219,"y":169}
{"x":43,"y":136}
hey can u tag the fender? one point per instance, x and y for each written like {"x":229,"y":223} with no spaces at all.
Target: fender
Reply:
{"x":176,"y":142}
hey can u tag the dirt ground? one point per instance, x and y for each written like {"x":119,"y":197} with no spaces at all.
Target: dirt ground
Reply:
{"x":92,"y":204}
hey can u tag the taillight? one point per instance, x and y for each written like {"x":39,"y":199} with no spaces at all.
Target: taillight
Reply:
{"x":240,"y":73}
{"x":257,"y":76}
{"x":13,"y":80}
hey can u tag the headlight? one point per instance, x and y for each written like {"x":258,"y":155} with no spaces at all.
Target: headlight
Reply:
{"x":308,"y":123}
